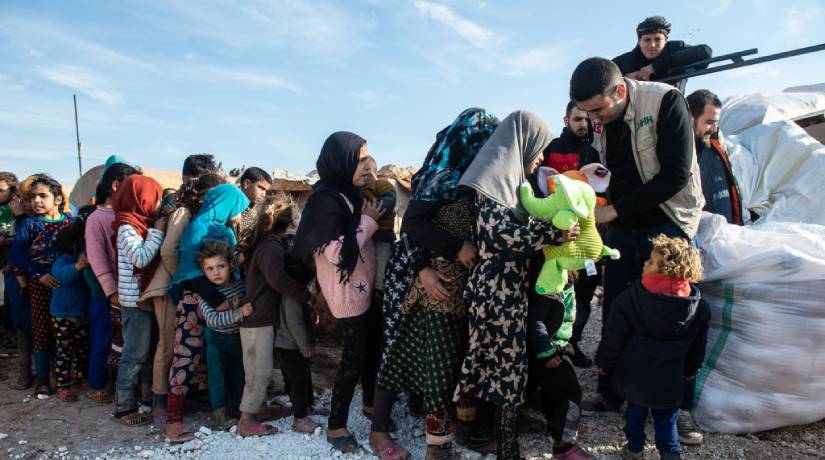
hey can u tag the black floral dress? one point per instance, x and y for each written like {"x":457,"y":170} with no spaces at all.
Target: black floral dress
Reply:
{"x":495,"y":367}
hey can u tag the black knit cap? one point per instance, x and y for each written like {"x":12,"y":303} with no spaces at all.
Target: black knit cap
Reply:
{"x":652,"y":25}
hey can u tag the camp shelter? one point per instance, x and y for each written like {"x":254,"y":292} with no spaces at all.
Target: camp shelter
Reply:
{"x":83,"y":191}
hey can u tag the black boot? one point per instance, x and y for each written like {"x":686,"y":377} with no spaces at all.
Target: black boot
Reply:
{"x":24,"y":362}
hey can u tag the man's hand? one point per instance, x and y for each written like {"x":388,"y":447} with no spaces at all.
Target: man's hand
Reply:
{"x":431,"y":279}
{"x":633,"y":75}
{"x":646,"y":72}
{"x":468,"y":255}
{"x":553,"y":363}
{"x":49,"y":281}
{"x":246,"y":309}
{"x":605,"y":214}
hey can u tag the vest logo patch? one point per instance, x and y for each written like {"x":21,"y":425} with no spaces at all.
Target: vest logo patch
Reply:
{"x":647,"y":120}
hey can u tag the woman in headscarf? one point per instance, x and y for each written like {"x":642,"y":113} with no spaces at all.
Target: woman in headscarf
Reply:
{"x":336,"y":230}
{"x":138,"y":240}
{"x":221,"y":208}
{"x":424,"y":308}
{"x":495,"y":367}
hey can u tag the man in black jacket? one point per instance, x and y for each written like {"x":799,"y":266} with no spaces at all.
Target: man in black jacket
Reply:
{"x":571,"y":151}
{"x":654,"y":56}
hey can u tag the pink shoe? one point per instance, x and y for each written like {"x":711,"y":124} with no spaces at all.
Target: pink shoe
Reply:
{"x":574,"y":453}
{"x":305,"y":425}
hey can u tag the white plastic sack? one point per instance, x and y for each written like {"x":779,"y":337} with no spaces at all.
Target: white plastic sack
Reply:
{"x":764,"y":365}
{"x":742,"y":112}
{"x":781,"y":172}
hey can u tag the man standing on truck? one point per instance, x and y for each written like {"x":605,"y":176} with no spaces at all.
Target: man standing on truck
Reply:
{"x":655,"y":56}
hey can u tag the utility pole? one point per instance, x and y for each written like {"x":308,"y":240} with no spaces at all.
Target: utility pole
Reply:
{"x":77,"y":134}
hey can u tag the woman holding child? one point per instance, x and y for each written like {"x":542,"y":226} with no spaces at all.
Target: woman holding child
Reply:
{"x":495,"y":368}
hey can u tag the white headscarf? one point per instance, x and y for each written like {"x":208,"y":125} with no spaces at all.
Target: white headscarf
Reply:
{"x":498,"y":169}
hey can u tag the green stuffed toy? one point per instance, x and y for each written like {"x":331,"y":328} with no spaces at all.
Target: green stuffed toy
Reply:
{"x":570,"y":202}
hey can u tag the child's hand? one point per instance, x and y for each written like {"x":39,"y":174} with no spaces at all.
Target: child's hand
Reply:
{"x":601,"y":371}
{"x":553,"y":363}
{"x":160,"y":223}
{"x":82,"y":262}
{"x":307,"y":354}
{"x":22,"y":281}
{"x":224,"y":306}
{"x":247,"y":309}
{"x":372,"y":209}
{"x":49,"y":281}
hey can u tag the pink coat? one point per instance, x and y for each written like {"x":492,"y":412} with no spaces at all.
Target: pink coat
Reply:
{"x":100,"y":250}
{"x":353,"y":297}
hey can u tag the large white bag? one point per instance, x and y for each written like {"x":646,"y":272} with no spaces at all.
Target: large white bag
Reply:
{"x":764,"y":365}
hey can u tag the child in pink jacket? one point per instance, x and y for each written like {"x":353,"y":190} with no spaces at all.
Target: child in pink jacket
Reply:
{"x":336,"y":230}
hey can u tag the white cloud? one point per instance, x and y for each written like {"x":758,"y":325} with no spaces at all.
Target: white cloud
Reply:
{"x":470,"y":31}
{"x":83,"y":80}
{"x":247,"y":77}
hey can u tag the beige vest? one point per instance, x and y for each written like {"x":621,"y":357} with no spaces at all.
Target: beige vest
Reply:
{"x":643,"y":101}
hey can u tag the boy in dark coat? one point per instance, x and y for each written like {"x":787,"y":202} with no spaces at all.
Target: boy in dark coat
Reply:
{"x":654,"y":341}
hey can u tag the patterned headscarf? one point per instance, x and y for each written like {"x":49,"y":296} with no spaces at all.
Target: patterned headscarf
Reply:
{"x":454,"y":149}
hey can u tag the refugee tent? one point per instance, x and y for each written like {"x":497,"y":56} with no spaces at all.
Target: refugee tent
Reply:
{"x":83,"y":191}
{"x":765,"y":282}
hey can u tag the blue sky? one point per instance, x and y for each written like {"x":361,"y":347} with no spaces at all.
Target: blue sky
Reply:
{"x":263,"y":83}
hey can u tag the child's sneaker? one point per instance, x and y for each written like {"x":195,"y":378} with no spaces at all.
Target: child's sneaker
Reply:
{"x":689,"y":433}
{"x":628,"y":454}
{"x":574,"y":453}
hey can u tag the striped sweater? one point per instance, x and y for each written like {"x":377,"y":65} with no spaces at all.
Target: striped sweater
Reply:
{"x":133,"y":251}
{"x":226,"y":321}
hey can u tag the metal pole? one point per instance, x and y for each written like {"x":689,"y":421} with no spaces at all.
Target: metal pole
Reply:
{"x":744,"y":63}
{"x":77,"y":134}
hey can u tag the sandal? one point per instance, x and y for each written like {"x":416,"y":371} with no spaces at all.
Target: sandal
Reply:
{"x":67,"y":395}
{"x":99,"y":396}
{"x":391,"y":451}
{"x":132,"y":419}
{"x":305,"y":425}
{"x":346,"y":444}
{"x":267,"y":414}
{"x":177,"y":433}
{"x":257,"y":429}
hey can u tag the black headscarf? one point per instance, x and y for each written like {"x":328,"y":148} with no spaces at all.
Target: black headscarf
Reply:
{"x":327,"y":215}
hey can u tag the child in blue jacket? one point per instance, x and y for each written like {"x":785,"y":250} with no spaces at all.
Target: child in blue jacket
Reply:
{"x":69,"y":304}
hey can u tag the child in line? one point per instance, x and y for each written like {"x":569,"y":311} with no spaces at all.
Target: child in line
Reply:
{"x":105,"y":338}
{"x":268,"y":284}
{"x":139,"y":236}
{"x":8,"y":225}
{"x":33,"y":252}
{"x":224,"y":360}
{"x":68,"y":310}
{"x":336,"y":230}
{"x":381,"y":190}
{"x":549,"y":328}
{"x":653,"y":340}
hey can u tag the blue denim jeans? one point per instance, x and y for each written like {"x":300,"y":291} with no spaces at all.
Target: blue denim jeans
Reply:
{"x":664,"y":423}
{"x":135,"y":358}
{"x":634,"y":246}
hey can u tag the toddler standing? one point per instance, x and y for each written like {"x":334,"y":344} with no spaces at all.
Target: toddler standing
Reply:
{"x":655,"y":338}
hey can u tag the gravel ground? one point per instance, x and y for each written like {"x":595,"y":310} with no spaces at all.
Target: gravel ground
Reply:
{"x":32,"y":428}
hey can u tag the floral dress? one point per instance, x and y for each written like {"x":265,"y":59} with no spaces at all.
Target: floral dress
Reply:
{"x":495,"y":367}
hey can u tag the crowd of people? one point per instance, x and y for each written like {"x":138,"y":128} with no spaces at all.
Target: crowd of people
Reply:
{"x":149,"y":295}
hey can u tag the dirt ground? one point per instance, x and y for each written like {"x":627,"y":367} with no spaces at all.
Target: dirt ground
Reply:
{"x":32,"y":428}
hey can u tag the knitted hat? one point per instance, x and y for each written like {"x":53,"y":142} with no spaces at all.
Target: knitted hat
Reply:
{"x":652,"y":25}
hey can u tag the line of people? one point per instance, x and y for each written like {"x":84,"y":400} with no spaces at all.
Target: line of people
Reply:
{"x":145,"y":288}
